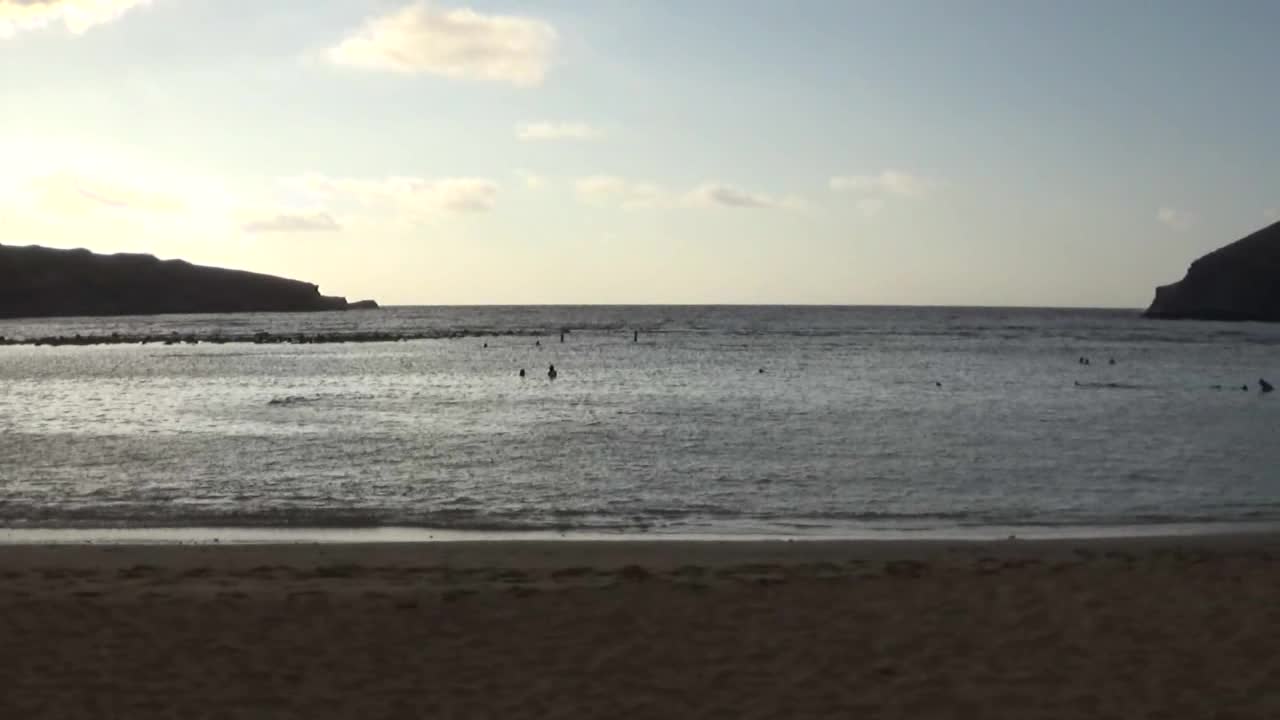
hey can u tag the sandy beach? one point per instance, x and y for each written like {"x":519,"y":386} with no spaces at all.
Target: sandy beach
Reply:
{"x":1141,"y":628}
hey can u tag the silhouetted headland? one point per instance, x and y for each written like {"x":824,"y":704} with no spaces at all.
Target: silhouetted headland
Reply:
{"x":1235,"y":282}
{"x":44,"y":282}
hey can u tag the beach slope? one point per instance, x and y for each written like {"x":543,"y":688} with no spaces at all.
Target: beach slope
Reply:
{"x":1179,"y":628}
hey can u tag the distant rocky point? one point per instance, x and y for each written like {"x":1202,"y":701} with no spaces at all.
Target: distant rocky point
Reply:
{"x":43,"y":282}
{"x":1238,"y":282}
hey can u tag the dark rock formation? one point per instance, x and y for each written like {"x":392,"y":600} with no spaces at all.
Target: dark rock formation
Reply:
{"x":1238,"y":282}
{"x":42,"y":282}
{"x":363,"y":305}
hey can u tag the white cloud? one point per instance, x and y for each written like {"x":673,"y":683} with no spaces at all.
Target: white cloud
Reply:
{"x":607,"y":189}
{"x":873,"y":193}
{"x":1271,"y":214}
{"x":887,"y":182}
{"x":531,"y":180}
{"x":1176,"y":219}
{"x":293,"y":223}
{"x":718,"y":195}
{"x":633,"y":195}
{"x":600,"y":186}
{"x":461,"y":43}
{"x":411,"y":195}
{"x":869,"y":206}
{"x":462,"y":194}
{"x":71,"y":193}
{"x":69,"y":190}
{"x":101,"y":197}
{"x":78,"y":16}
{"x":557,"y":131}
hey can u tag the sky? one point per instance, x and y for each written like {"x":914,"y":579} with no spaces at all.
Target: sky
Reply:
{"x":1020,"y":152}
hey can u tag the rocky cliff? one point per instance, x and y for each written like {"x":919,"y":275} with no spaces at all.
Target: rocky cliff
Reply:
{"x":43,"y":282}
{"x":1238,"y":282}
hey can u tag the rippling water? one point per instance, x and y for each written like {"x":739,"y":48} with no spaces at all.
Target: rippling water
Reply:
{"x":890,"y":418}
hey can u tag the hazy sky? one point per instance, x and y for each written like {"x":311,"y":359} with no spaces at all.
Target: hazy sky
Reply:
{"x":633,"y":151}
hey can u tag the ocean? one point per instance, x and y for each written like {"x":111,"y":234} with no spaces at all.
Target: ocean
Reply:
{"x":718,"y":421}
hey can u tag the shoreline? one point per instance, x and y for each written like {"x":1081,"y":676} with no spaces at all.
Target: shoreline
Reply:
{"x":651,"y":553}
{"x":273,"y":535}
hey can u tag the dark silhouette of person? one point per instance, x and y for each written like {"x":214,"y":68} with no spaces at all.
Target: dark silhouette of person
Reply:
{"x":551,"y":372}
{"x":537,"y":343}
{"x":521,"y":372}
{"x":1264,"y":386}
{"x":561,"y":336}
{"x":635,"y":336}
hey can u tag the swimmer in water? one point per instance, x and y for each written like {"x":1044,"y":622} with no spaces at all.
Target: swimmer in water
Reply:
{"x":1264,"y":386}
{"x":521,"y":372}
{"x":551,"y":372}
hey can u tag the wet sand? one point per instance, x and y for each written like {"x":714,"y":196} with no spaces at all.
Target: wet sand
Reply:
{"x":1141,"y":628}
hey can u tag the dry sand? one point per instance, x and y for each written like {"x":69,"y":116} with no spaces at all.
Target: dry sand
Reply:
{"x":1174,"y":628}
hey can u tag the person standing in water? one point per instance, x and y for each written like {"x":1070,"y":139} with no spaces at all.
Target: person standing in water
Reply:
{"x":522,"y":372}
{"x":551,"y":372}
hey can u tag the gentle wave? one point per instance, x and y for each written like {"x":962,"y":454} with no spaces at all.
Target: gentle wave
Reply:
{"x":776,"y":420}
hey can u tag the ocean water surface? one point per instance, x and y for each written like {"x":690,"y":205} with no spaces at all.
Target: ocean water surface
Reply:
{"x":719,"y":420}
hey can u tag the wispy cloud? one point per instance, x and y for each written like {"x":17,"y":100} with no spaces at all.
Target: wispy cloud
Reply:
{"x":1175,"y":218}
{"x":869,"y":206}
{"x":887,"y":182}
{"x":460,"y":43}
{"x":531,"y":180}
{"x":412,"y":195}
{"x":873,"y":192}
{"x":557,"y":131}
{"x":293,"y":223}
{"x":630,"y":194}
{"x":78,"y":16}
{"x":635,"y":195}
{"x":123,"y":196}
{"x":105,"y":194}
{"x":68,"y":192}
{"x":728,"y":196}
